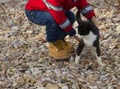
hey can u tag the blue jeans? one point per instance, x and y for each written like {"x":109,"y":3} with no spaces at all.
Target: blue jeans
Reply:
{"x":53,"y":31}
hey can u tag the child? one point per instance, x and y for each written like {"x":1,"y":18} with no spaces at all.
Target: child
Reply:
{"x":58,"y":19}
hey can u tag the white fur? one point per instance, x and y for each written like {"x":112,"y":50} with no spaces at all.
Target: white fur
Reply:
{"x":77,"y":33}
{"x":89,"y":39}
{"x":99,"y":60}
{"x":77,"y":58}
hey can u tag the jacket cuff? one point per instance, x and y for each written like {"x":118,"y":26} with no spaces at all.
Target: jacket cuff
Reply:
{"x":90,"y":15}
{"x":68,"y":28}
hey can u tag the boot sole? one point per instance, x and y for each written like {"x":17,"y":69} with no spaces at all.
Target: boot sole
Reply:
{"x":71,"y":51}
{"x":59,"y":58}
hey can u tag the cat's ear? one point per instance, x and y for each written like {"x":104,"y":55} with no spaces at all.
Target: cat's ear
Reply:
{"x":78,"y":17}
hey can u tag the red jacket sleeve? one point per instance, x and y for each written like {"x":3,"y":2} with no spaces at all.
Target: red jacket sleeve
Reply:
{"x":57,"y":12}
{"x":85,"y":9}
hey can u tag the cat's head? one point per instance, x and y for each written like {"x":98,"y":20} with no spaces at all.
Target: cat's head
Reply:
{"x":83,"y":26}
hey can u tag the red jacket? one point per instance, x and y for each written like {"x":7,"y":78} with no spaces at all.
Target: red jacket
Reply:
{"x":58,"y":7}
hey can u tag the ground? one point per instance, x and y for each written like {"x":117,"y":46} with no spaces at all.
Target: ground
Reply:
{"x":24,"y":59}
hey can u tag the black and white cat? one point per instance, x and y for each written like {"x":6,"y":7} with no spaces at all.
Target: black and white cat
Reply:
{"x":89,"y":34}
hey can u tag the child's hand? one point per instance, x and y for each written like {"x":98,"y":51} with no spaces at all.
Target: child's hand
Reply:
{"x":97,"y":25}
{"x":95,"y":21}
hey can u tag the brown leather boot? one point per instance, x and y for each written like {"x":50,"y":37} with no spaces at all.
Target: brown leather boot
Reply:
{"x":66,"y":46}
{"x":57,"y":51}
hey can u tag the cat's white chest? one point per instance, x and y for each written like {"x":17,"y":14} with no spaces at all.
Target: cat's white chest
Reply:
{"x":89,"y":39}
